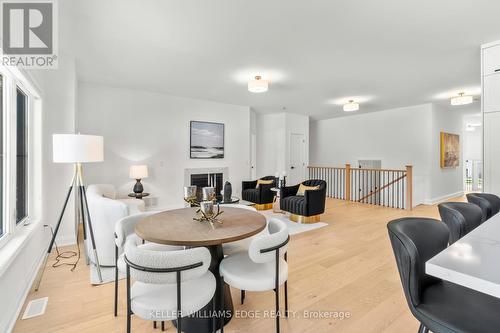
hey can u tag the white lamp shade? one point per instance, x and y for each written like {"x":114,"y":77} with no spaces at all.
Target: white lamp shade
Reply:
{"x":77,"y":148}
{"x":138,"y":171}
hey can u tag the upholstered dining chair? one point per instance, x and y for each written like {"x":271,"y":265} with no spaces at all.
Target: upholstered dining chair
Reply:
{"x":439,"y":306}
{"x":124,"y":230}
{"x":244,"y":244}
{"x":241,"y":245}
{"x":460,"y":217}
{"x":262,"y":267}
{"x":489,"y":203}
{"x":169,"y":285}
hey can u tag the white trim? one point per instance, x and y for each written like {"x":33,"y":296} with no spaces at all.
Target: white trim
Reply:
{"x":14,"y":79}
{"x":442,"y":198}
{"x":27,"y":288}
{"x":487,"y":45}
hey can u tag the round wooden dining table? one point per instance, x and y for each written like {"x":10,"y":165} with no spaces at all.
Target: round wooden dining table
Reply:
{"x":177,"y":227}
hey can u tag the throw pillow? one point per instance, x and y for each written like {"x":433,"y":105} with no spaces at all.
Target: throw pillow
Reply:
{"x":302,"y":189}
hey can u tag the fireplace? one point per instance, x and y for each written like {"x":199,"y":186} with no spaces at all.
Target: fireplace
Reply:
{"x":207,"y":179}
{"x":202,"y":177}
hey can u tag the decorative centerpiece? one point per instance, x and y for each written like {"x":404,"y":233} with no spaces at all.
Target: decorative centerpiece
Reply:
{"x":207,"y":213}
{"x":206,"y":207}
{"x":227,"y":192}
{"x":190,"y":196}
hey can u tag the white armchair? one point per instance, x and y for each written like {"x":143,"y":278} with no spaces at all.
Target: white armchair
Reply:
{"x":105,"y":210}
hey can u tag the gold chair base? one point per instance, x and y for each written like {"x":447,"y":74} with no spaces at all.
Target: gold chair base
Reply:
{"x":305,"y":219}
{"x":263,"y":206}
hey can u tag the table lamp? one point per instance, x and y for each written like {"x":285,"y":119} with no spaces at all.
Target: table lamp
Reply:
{"x":138,"y":172}
{"x":76,"y":149}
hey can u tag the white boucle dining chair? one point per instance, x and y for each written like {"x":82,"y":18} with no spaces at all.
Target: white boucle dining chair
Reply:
{"x":241,"y":245}
{"x":168,"y":284}
{"x":124,"y":230}
{"x":262,"y":267}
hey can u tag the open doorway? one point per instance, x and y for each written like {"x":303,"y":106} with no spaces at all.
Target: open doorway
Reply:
{"x":473,"y":152}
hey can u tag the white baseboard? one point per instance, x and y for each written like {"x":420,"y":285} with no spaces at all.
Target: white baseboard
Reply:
{"x":437,"y":200}
{"x":27,"y":288}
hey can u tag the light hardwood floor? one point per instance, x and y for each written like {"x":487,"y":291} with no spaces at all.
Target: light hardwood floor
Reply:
{"x":346,"y":266}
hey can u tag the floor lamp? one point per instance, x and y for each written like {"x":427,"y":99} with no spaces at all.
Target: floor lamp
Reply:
{"x":76,"y":149}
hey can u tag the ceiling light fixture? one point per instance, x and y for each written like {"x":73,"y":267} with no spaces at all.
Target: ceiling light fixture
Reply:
{"x":351,"y":106}
{"x":461,"y":99}
{"x":258,"y":85}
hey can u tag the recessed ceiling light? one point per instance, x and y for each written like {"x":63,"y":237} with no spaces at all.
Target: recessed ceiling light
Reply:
{"x":351,"y":106}
{"x":461,"y":99}
{"x":258,"y":85}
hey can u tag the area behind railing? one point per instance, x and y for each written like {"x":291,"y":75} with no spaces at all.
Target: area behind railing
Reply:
{"x":382,"y":187}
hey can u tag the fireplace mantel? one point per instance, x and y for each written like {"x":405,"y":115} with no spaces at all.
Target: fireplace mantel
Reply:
{"x":193,"y":171}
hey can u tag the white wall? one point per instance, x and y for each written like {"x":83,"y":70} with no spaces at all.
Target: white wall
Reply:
{"x":273,"y":141}
{"x":398,"y":137}
{"x":30,"y":243}
{"x":150,"y":128}
{"x":445,"y":182}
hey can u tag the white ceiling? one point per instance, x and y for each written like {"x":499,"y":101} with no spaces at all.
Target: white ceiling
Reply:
{"x":390,"y":52}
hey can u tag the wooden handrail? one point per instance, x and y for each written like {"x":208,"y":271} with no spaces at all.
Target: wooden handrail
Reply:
{"x":322,"y":167}
{"x":382,"y":188}
{"x":364,"y":169}
{"x":397,"y":193}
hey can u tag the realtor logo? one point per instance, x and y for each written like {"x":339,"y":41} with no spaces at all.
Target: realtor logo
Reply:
{"x":29,"y":33}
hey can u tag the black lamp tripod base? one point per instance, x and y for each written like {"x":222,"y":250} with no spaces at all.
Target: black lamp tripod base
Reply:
{"x":77,"y":184}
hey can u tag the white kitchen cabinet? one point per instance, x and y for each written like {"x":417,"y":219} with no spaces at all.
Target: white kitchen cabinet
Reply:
{"x":491,"y":93}
{"x":491,"y":59}
{"x":490,"y":81}
{"x":492,"y":152}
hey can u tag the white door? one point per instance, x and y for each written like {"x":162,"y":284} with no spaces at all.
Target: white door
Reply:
{"x":297,"y":167}
{"x":253,"y":157}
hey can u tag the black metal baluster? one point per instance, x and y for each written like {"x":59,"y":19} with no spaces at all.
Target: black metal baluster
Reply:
{"x":392,"y":173}
{"x":403,"y":191}
{"x":397,"y":175}
{"x":381,"y":185}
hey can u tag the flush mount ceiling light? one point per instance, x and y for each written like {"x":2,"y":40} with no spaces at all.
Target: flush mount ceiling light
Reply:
{"x":258,"y":85}
{"x":470,"y":128}
{"x":351,"y":106}
{"x":461,"y":99}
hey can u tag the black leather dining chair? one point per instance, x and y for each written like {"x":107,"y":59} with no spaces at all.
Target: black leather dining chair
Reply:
{"x":460,"y":217}
{"x":439,"y":306}
{"x":489,"y":203}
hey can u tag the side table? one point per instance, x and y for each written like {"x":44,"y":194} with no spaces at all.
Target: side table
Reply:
{"x":138,"y":195}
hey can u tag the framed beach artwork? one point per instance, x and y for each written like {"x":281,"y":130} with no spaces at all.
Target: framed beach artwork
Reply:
{"x":450,"y":150}
{"x":207,"y":140}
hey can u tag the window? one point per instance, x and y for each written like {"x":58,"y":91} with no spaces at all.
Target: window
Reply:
{"x":21,"y":156}
{"x":19,"y":150}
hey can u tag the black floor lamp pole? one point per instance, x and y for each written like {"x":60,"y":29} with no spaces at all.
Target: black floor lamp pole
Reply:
{"x":77,"y":181}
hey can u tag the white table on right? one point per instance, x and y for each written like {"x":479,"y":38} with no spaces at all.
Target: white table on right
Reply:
{"x":473,"y":261}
